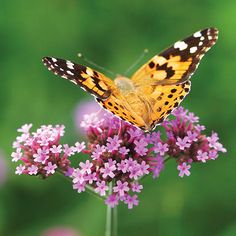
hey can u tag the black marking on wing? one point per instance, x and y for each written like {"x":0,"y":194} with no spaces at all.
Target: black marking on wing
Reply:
{"x":73,"y":72}
{"x":197,"y":45}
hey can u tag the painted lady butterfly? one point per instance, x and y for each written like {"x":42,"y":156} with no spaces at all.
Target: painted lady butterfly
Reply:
{"x":153,"y":91}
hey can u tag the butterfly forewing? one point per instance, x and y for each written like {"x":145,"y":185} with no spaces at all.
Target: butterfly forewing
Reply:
{"x":92,"y":81}
{"x":177,"y":63}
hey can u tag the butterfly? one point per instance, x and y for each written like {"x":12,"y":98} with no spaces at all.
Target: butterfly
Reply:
{"x":153,"y":91}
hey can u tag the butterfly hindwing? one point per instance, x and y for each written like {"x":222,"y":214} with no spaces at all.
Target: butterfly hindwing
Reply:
{"x":177,"y":63}
{"x":117,"y":105}
{"x":92,"y":81}
{"x":169,"y":98}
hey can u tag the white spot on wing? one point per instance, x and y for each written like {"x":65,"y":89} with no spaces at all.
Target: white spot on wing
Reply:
{"x":197,"y":34}
{"x":69,"y":72}
{"x":54,"y":59}
{"x":200,"y":43}
{"x":210,"y":37}
{"x":193,"y":49}
{"x":181,"y":45}
{"x":70,"y":65}
{"x":202,"y":38}
{"x":73,"y":81}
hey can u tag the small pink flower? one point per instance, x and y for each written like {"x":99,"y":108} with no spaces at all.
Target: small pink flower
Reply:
{"x":108,"y":170}
{"x":16,"y":155}
{"x":80,"y":187}
{"x":98,"y":151}
{"x":141,"y":146}
{"x":19,"y":169}
{"x":25,"y":128}
{"x":192,"y":136}
{"x":113,"y":144}
{"x":41,"y":155}
{"x":184,"y":169}
{"x":212,"y":154}
{"x":112,"y":200}
{"x":101,"y":188}
{"x":56,"y":149}
{"x":50,"y":168}
{"x":121,"y":188}
{"x":161,"y":148}
{"x":202,"y":156}
{"x":33,"y":170}
{"x":183,"y":143}
{"x":122,"y":166}
{"x":134,"y":172}
{"x":213,"y":140}
{"x":123,"y":151}
{"x":144,"y":168}
{"x":192,"y":118}
{"x":78,"y":176}
{"x":23,"y":137}
{"x":136,"y":187}
{"x":90,"y":178}
{"x":86,"y":167}
{"x":79,"y":147}
{"x":69,"y":151}
{"x":131,"y":201}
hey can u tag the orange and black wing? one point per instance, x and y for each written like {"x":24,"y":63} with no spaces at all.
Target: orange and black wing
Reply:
{"x":176,"y":64}
{"x":88,"y":79}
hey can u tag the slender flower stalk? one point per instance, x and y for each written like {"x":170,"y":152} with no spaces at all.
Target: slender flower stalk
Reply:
{"x":111,"y":220}
{"x":3,"y":169}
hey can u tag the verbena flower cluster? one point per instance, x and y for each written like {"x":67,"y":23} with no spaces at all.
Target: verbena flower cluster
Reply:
{"x":119,"y":155}
{"x":41,"y":152}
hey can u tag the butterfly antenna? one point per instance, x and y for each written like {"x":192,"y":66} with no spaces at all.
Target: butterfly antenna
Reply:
{"x":145,"y":51}
{"x":80,"y":55}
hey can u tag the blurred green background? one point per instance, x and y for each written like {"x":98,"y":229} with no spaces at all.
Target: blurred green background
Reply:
{"x":113,"y":34}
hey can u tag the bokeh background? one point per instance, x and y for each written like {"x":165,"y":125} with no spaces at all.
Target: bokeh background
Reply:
{"x":113,"y":34}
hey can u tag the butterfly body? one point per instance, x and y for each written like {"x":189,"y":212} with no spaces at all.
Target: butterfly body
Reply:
{"x":152,"y":93}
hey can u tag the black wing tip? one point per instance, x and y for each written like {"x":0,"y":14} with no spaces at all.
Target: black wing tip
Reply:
{"x":210,"y":33}
{"x":210,"y":29}
{"x":46,"y":60}
{"x":213,"y":31}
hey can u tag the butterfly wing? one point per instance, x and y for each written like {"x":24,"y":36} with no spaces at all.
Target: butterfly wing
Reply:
{"x":90,"y":80}
{"x":106,"y":92}
{"x":166,"y":100}
{"x":177,"y":63}
{"x":165,"y":78}
{"x":119,"y":107}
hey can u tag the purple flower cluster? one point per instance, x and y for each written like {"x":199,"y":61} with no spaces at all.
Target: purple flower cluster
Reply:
{"x":186,"y":142}
{"x":40,"y":152}
{"x":119,"y":155}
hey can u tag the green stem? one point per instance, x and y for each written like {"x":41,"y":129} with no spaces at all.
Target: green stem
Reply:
{"x":111,"y":221}
{"x":167,"y":158}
